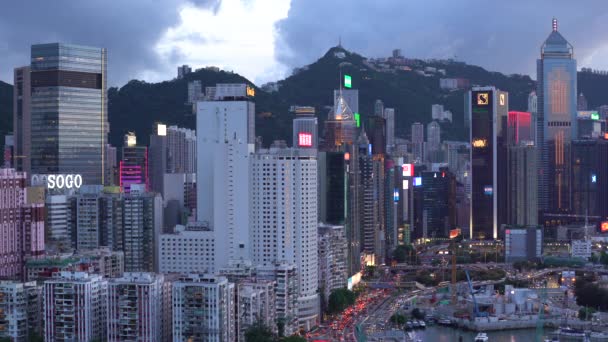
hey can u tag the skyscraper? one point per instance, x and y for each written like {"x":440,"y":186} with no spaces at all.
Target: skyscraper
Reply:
{"x":488,"y":112}
{"x":418,"y":142}
{"x":225,"y":128}
{"x":389,"y":117}
{"x":133,"y":167}
{"x":522,"y":206}
{"x":305,"y":130}
{"x":68,"y":110}
{"x":433,"y":142}
{"x":379,"y":108}
{"x":22,"y":119}
{"x":340,"y":127}
{"x":557,"y":102}
{"x":287,"y":230}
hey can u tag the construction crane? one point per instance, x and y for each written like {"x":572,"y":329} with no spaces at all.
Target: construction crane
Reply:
{"x":475,"y":307}
{"x":540,"y":322}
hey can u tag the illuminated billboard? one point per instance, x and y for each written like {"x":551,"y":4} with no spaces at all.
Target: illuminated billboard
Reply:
{"x":595,"y":116}
{"x":250,"y":91}
{"x":479,"y":143}
{"x":305,"y":139}
{"x":454,"y":233}
{"x":396,"y":195}
{"x":408,"y":170}
{"x":406,"y":184}
{"x":488,"y":190}
{"x":417,"y":181}
{"x":604,"y":226}
{"x":347,"y":81}
{"x":358,"y":119}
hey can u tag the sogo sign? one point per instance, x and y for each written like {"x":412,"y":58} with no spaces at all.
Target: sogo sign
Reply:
{"x":58,"y":181}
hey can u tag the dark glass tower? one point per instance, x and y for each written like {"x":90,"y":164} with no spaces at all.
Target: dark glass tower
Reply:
{"x":68,"y":110}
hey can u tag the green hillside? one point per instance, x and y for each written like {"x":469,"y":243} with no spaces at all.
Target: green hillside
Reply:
{"x":138,"y":105}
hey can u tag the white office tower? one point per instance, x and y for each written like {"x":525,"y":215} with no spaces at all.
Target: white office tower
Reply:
{"x":286,"y":293}
{"x":135,"y":307}
{"x":19,"y":310}
{"x":332,"y":258}
{"x":190,"y":249}
{"x":389,"y":116}
{"x":284,"y":218}
{"x":75,"y":307}
{"x":255,"y":304}
{"x":203,"y":309}
{"x":225,"y":128}
{"x":57,"y":223}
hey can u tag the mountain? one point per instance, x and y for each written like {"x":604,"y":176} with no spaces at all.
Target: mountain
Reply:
{"x":138,"y":105}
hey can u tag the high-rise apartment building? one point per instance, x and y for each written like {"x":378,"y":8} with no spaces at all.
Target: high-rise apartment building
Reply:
{"x":287,"y":230}
{"x":488,"y":112}
{"x":256,"y":300}
{"x":20,"y":306}
{"x":286,"y":289}
{"x":379,"y":108}
{"x":135,"y":309}
{"x":332,"y":253}
{"x":68,"y":111}
{"x":533,"y":110}
{"x":183,"y":71}
{"x":75,"y":307}
{"x":22,"y":229}
{"x":557,"y":103}
{"x":111,"y":166}
{"x":22,"y":119}
{"x":225,"y":140}
{"x":203,"y":309}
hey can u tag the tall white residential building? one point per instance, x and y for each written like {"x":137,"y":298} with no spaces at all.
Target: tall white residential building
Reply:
{"x":20,"y":305}
{"x":436,"y":111}
{"x":190,"y":249}
{"x":135,"y":307}
{"x":286,"y":293}
{"x":225,"y":128}
{"x":332,"y":258}
{"x":203,"y":309}
{"x":389,"y":117}
{"x":256,"y":302}
{"x":75,"y":307}
{"x":284,"y":218}
{"x":433,"y":142}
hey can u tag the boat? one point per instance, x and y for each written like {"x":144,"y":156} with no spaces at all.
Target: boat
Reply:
{"x":422,"y":324}
{"x":570,"y":332}
{"x":481,"y":337}
{"x":444,"y":321}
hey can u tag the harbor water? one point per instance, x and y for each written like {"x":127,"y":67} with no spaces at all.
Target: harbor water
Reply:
{"x":446,"y":334}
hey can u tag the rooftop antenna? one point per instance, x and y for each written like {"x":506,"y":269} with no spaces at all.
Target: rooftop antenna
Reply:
{"x":340,"y":41}
{"x":554,"y":24}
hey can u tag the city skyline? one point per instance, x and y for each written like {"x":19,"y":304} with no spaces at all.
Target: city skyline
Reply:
{"x":209,"y":32}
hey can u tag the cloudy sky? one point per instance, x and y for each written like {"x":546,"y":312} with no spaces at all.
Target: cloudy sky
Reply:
{"x":265,"y":39}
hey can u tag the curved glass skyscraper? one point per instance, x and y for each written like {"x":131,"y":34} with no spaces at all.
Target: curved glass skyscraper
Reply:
{"x":68,"y":110}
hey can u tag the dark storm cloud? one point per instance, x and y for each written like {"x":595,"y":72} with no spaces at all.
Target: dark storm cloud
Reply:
{"x":498,"y":35}
{"x":128,"y":29}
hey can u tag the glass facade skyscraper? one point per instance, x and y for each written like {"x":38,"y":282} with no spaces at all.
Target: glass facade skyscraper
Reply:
{"x":556,"y":90}
{"x":68,"y":110}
